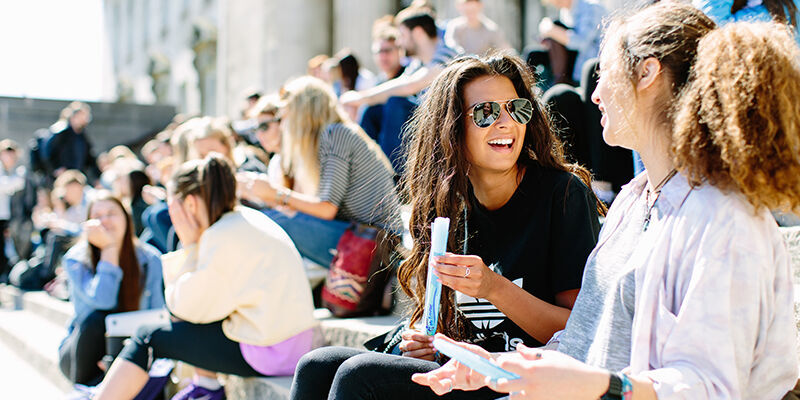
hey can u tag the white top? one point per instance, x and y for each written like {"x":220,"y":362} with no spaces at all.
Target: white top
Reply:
{"x":246,"y":271}
{"x":714,"y":316}
{"x":10,"y":183}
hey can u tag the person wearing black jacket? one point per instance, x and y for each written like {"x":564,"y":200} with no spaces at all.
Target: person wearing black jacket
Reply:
{"x":70,"y":148}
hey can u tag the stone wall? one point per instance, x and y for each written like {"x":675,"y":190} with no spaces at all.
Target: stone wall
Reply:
{"x":112,"y":123}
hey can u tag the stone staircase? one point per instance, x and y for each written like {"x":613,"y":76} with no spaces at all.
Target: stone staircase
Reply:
{"x":32,"y":324}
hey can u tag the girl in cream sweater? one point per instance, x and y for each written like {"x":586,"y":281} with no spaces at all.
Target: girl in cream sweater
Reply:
{"x":237,"y":287}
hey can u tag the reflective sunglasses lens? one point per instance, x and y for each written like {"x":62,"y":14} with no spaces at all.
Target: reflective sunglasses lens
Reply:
{"x":484,"y":114}
{"x":521,"y":110}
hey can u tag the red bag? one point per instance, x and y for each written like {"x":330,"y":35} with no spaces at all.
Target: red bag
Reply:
{"x":360,"y":272}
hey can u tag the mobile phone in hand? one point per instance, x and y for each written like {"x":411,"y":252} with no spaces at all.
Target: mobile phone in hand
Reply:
{"x":472,"y":360}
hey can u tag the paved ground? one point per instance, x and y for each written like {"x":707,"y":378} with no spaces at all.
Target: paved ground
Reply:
{"x":19,"y":381}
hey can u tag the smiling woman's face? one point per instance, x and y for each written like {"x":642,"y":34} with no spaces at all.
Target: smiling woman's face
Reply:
{"x":496,"y":148}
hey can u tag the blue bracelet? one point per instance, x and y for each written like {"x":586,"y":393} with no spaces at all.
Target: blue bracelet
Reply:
{"x":619,"y":387}
{"x":627,"y":387}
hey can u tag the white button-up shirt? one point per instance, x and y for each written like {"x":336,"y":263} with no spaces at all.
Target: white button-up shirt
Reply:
{"x":714,"y":315}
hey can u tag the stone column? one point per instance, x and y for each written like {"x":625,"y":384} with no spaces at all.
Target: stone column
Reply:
{"x":534,"y":12}
{"x":508,"y":15}
{"x":265,"y":42}
{"x":294,"y":31}
{"x":352,"y":26}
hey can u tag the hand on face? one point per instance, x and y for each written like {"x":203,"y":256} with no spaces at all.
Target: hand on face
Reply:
{"x":467,"y":274}
{"x":98,"y":235}
{"x":416,"y":344}
{"x":186,"y":225}
{"x":453,"y":375}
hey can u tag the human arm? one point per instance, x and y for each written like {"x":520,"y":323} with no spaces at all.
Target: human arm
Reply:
{"x":548,"y":30}
{"x":544,"y":374}
{"x":572,"y":236}
{"x":255,"y":186}
{"x":99,"y":289}
{"x":10,"y":184}
{"x":450,"y":38}
{"x":402,"y":86}
{"x":536,"y":317}
{"x":193,"y":272}
{"x":154,"y":279}
{"x":548,"y":374}
{"x":416,"y":344}
{"x":718,"y":320}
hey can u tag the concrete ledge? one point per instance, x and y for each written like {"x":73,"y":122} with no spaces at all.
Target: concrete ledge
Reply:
{"x":277,"y":388}
{"x":352,"y":332}
{"x":36,"y":341}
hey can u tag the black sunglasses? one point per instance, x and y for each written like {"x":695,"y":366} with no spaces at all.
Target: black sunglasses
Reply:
{"x":485,"y":113}
{"x":264,"y":125}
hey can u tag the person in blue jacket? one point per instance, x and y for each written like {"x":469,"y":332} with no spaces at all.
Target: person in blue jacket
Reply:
{"x":725,"y":11}
{"x":107,"y":271}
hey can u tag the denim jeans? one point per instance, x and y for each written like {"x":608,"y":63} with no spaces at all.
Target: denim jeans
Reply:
{"x":345,"y":373}
{"x":315,"y":238}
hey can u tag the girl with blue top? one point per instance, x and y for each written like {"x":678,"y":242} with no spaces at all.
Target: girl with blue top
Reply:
{"x":107,"y":272}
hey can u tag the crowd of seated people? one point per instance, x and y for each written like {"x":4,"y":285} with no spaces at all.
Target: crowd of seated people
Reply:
{"x":683,"y":291}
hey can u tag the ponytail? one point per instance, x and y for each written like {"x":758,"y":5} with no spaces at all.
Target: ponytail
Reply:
{"x":212,"y":179}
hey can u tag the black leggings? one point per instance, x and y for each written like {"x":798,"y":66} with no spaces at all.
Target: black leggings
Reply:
{"x":83,"y":348}
{"x":201,"y":345}
{"x":345,"y":373}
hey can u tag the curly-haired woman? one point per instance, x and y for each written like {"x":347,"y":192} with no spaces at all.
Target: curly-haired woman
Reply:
{"x":482,"y":153}
{"x":696,"y":299}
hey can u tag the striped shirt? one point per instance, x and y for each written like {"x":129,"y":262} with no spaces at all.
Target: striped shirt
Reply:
{"x":356,"y":177}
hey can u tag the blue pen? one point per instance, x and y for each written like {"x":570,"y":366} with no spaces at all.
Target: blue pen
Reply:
{"x":433,"y":290}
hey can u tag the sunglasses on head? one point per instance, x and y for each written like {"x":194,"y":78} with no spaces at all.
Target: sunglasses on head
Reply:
{"x":485,"y":113}
{"x":264,"y":125}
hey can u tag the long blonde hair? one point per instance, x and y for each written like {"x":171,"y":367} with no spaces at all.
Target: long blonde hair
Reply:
{"x":310,"y":105}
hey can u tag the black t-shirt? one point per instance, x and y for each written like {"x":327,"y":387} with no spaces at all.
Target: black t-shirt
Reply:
{"x":540,"y":240}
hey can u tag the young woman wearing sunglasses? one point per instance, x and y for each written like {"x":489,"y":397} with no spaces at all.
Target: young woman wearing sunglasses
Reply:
{"x":689,"y":292}
{"x":523,"y":221}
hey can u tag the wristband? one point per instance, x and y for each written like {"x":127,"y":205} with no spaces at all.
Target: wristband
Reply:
{"x":619,"y":387}
{"x":283,"y":196}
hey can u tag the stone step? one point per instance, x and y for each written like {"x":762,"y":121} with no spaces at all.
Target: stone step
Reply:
{"x":45,"y":317}
{"x":35,"y":340}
